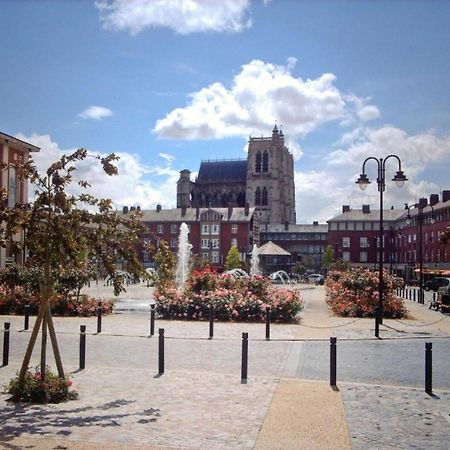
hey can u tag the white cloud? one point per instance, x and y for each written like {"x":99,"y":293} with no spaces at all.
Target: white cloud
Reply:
{"x":95,"y":113}
{"x":182,"y":16}
{"x":136,"y":183}
{"x":259,"y":94}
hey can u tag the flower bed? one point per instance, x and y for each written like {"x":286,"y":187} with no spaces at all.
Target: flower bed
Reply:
{"x":243,"y":299}
{"x":35,"y":390}
{"x":354,"y":293}
{"x":13,"y":301}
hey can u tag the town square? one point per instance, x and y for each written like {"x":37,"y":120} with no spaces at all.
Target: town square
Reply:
{"x":224,"y":225}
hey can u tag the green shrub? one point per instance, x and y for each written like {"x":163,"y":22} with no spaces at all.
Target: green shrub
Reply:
{"x":34,"y":390}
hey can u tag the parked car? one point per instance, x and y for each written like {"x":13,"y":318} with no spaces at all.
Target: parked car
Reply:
{"x":444,"y":297}
{"x":435,"y":283}
{"x":316,"y":278}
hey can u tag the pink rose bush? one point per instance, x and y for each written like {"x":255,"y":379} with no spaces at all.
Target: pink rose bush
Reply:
{"x":354,"y":293}
{"x":243,"y":299}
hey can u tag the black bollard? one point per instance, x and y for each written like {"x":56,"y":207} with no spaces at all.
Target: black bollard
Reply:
{"x":377,"y":322}
{"x":6,"y":344}
{"x":26,"y":324}
{"x":211,"y":322}
{"x":414,"y":295}
{"x":82,"y":347}
{"x":333,"y":359}
{"x":244,"y":365}
{"x":99,"y":318}
{"x":152,"y":320}
{"x":161,"y":352}
{"x":268,"y":323}
{"x":429,"y":368}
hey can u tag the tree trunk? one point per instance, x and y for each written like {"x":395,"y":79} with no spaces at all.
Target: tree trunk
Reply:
{"x":51,"y":330}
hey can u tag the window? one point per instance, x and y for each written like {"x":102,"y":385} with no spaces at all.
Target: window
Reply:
{"x":205,"y":256}
{"x":234,"y":242}
{"x":215,"y":243}
{"x":333,"y":226}
{"x":346,"y":242}
{"x":173,"y":242}
{"x":350,"y":226}
{"x":363,"y":242}
{"x":205,"y":243}
{"x":173,"y":228}
{"x":234,"y":229}
{"x":160,"y":228}
{"x":367,"y":225}
{"x":215,"y":229}
{"x":265,"y":162}
{"x":363,"y":256}
{"x":346,"y":256}
{"x":341,"y":226}
{"x":257,"y":196}
{"x":359,"y":226}
{"x":12,"y":188}
{"x":215,"y":257}
{"x":258,"y":162}
{"x":205,"y":229}
{"x":264,"y":197}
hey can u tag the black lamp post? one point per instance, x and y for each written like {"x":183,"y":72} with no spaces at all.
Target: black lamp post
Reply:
{"x":363,"y":182}
{"x":420,"y":217}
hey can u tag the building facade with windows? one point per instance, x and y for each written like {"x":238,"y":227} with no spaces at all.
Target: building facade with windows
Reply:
{"x":212,"y":231}
{"x":13,"y":152}
{"x":265,"y":180}
{"x":305,"y":243}
{"x":354,"y":235}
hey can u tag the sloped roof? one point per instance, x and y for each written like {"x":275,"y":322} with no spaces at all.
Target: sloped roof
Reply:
{"x":217,"y":171}
{"x":373,"y":215}
{"x":271,"y":249}
{"x":18,"y":142}
{"x":175,"y":214}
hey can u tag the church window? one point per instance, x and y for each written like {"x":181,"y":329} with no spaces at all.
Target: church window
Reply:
{"x":257,"y":196}
{"x":264,"y":200}
{"x":258,"y":162}
{"x":265,"y":162}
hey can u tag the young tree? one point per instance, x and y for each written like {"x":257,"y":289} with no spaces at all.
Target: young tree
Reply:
{"x":62,"y":230}
{"x":233,"y":260}
{"x":165,"y":262}
{"x":328,"y":257}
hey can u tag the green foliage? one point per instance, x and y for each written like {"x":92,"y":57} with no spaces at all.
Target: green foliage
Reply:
{"x":299,"y":268}
{"x":233,"y":260}
{"x":35,"y":390}
{"x":165,"y":262}
{"x":328,"y":257}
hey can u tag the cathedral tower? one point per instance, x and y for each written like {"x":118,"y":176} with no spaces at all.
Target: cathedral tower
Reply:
{"x":270,"y":179}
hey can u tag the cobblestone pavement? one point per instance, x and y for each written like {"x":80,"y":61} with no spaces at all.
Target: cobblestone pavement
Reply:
{"x":200,"y":402}
{"x":385,"y":417}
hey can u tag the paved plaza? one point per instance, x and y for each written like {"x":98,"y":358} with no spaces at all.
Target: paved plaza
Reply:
{"x":200,"y":402}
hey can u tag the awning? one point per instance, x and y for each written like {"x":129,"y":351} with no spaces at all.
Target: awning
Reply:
{"x":443,"y":272}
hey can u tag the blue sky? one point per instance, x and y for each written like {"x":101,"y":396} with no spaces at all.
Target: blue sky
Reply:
{"x":168,"y":83}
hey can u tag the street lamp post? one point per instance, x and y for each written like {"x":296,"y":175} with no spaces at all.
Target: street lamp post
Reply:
{"x":420,"y":217}
{"x":363,"y":182}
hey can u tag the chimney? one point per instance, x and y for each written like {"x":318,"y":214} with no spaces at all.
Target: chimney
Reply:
{"x":138,"y":208}
{"x":315,"y":223}
{"x":125,"y":210}
{"x":158,"y":208}
{"x":366,"y":209}
{"x":132,"y":208}
{"x":345,"y":209}
{"x":423,"y":202}
{"x":286,"y":226}
{"x":434,"y":198}
{"x":445,"y":196}
{"x":246,"y":208}
{"x":230,"y":210}
{"x":183,"y":211}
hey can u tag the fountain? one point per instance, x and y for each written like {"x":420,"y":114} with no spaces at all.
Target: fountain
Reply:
{"x":254,"y":263}
{"x":183,"y":256}
{"x":280,"y":276}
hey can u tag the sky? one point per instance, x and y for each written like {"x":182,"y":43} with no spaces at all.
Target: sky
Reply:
{"x":165,"y":84}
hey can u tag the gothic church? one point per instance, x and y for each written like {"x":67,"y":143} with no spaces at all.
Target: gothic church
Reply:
{"x":264,"y":180}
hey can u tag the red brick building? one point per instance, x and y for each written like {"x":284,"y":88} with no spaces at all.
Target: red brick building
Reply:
{"x":212,"y":231}
{"x":13,"y":151}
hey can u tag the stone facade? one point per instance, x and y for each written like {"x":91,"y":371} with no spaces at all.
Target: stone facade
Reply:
{"x":265,"y":180}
